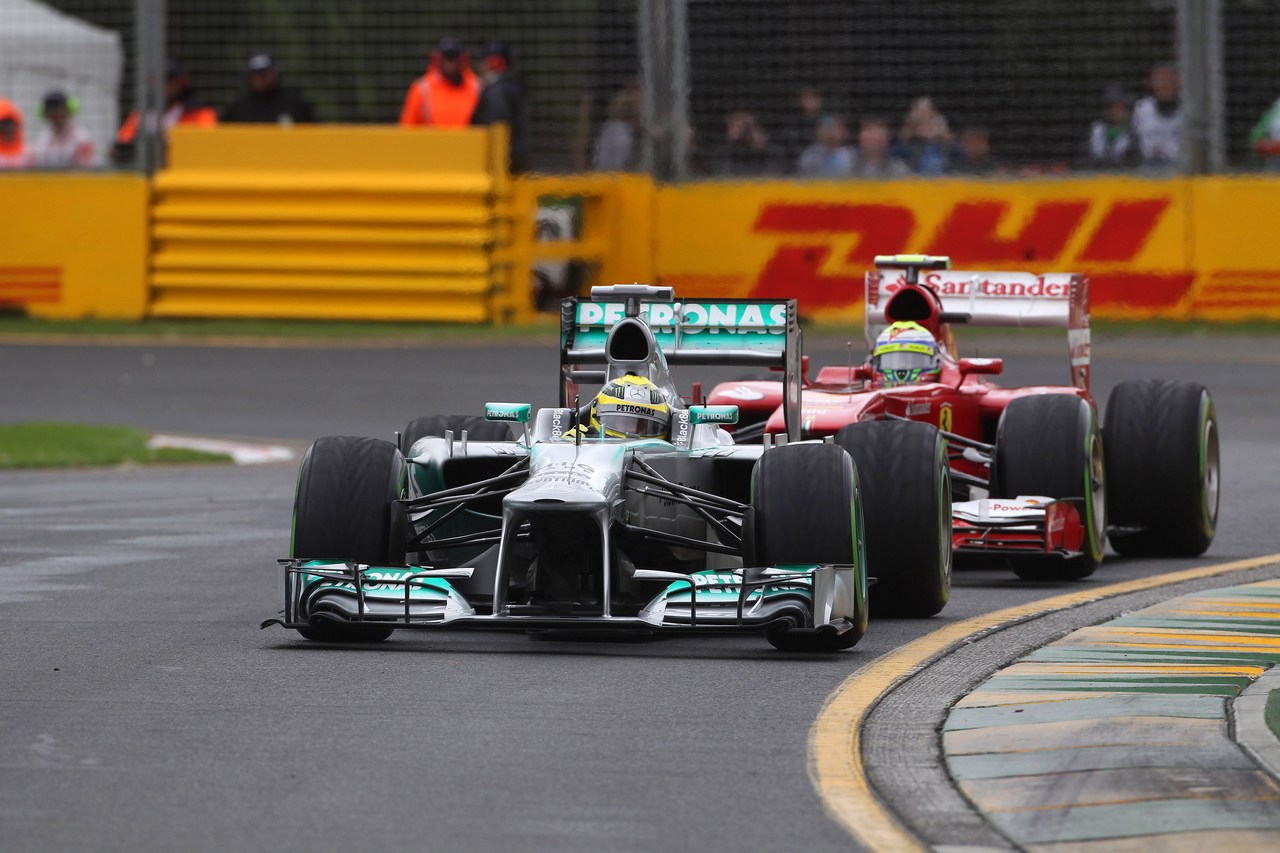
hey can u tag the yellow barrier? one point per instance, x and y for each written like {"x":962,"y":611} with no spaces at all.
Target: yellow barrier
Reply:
{"x":383,"y":223}
{"x":615,"y":240}
{"x":74,"y":245}
{"x":331,"y":222}
{"x":814,"y":240}
{"x":1237,"y":255}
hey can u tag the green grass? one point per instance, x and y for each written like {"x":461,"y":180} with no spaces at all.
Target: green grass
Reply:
{"x":60,"y":445}
{"x":182,"y":330}
{"x":1271,"y":713}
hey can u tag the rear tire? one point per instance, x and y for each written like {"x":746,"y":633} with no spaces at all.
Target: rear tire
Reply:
{"x":1050,"y":445}
{"x":478,"y":429}
{"x":806,"y":511}
{"x":905,"y":480}
{"x":342,"y":512}
{"x":1162,"y":458}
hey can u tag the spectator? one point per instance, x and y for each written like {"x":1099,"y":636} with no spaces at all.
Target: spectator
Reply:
{"x":873,"y":157}
{"x":925,"y":139}
{"x":746,"y":150}
{"x":182,"y":106}
{"x":502,"y":101}
{"x":447,"y":94}
{"x":1264,"y":139}
{"x":1111,"y":144}
{"x":828,"y":156}
{"x":13,"y":148}
{"x":63,"y":144}
{"x":265,"y":100}
{"x":1157,"y":120}
{"x":617,"y":148}
{"x":973,"y":153}
{"x":795,"y":137}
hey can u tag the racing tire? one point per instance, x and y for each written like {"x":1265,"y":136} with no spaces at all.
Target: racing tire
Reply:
{"x":905,"y":480}
{"x":478,"y":429}
{"x":1163,"y":468}
{"x":1050,"y":444}
{"x":342,"y":511}
{"x":806,"y":510}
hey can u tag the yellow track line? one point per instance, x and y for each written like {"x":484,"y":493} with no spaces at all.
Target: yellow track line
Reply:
{"x":835,"y":739}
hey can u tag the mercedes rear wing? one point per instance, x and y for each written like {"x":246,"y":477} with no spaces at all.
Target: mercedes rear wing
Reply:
{"x":721,"y":332}
{"x":980,"y":298}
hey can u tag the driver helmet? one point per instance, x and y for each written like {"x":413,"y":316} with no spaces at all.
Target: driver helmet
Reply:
{"x":906,"y":354}
{"x":631,"y":407}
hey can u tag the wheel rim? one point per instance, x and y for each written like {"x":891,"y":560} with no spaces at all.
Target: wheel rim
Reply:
{"x":1097,"y":495}
{"x":944,"y":524}
{"x":1209,"y":473}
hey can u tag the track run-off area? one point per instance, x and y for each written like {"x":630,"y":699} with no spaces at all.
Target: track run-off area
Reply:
{"x":143,"y":709}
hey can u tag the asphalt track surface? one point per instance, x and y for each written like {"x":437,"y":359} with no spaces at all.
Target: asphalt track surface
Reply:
{"x":141,"y":708}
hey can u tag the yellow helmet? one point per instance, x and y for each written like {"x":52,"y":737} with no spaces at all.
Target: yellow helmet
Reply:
{"x":631,"y":407}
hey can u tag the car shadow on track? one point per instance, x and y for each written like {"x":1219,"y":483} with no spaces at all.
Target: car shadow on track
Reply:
{"x":674,"y":648}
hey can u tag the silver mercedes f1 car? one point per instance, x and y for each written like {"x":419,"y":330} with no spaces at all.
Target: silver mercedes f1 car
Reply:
{"x":462,"y":525}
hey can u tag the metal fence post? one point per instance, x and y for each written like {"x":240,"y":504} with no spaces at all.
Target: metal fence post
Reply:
{"x":649,"y":82}
{"x":1215,"y":87}
{"x":678,"y":127}
{"x":1200,"y":65}
{"x":664,"y":62}
{"x":150,"y":70}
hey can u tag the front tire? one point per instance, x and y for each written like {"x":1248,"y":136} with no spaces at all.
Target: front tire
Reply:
{"x":342,"y":512}
{"x":807,"y":511}
{"x":1162,"y":457}
{"x":905,"y":480}
{"x":1050,"y":445}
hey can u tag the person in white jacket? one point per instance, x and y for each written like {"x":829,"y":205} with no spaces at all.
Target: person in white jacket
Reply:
{"x":62,"y":144}
{"x":1157,"y":120}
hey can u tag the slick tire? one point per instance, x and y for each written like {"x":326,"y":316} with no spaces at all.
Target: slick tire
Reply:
{"x":342,"y":511}
{"x":905,"y":480}
{"x":807,"y":510}
{"x":1050,"y":445}
{"x":478,"y":429}
{"x":1162,"y":468}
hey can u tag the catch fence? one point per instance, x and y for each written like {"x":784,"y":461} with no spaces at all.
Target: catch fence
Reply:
{"x":695,"y":89}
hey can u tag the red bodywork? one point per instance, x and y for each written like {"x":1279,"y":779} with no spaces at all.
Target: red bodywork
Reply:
{"x":964,"y":402}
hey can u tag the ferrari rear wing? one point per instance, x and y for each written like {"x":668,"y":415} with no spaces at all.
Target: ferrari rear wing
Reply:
{"x":992,"y":299}
{"x":728,"y":332}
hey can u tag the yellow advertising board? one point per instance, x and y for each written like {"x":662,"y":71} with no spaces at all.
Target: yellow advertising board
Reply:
{"x":74,"y":245}
{"x":814,"y":240}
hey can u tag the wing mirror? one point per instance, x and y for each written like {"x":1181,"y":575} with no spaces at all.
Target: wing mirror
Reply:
{"x":508,"y":412}
{"x":982,"y":366}
{"x":713,"y":414}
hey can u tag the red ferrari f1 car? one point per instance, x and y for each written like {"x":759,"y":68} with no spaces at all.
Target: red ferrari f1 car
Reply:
{"x":1035,"y":476}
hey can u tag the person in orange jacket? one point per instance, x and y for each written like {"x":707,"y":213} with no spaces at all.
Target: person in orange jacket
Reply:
{"x":13,"y":147}
{"x":446,"y":95}
{"x":182,"y":106}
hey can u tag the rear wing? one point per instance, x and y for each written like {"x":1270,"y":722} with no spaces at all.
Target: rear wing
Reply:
{"x":991,"y":299}
{"x":721,"y":332}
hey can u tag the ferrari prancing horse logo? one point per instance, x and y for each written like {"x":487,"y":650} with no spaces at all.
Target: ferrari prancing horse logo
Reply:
{"x":944,"y":417}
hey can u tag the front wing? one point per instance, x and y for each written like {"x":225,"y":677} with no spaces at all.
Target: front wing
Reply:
{"x":743,"y":600}
{"x":1023,"y":526}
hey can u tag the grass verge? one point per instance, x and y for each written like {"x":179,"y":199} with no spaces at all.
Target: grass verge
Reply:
{"x":1271,"y":713}
{"x":60,"y":445}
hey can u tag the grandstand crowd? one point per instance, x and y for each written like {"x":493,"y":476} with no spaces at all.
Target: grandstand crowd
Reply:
{"x":1130,"y":132}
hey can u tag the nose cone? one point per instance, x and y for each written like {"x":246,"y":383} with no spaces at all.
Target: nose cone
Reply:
{"x":566,"y":476}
